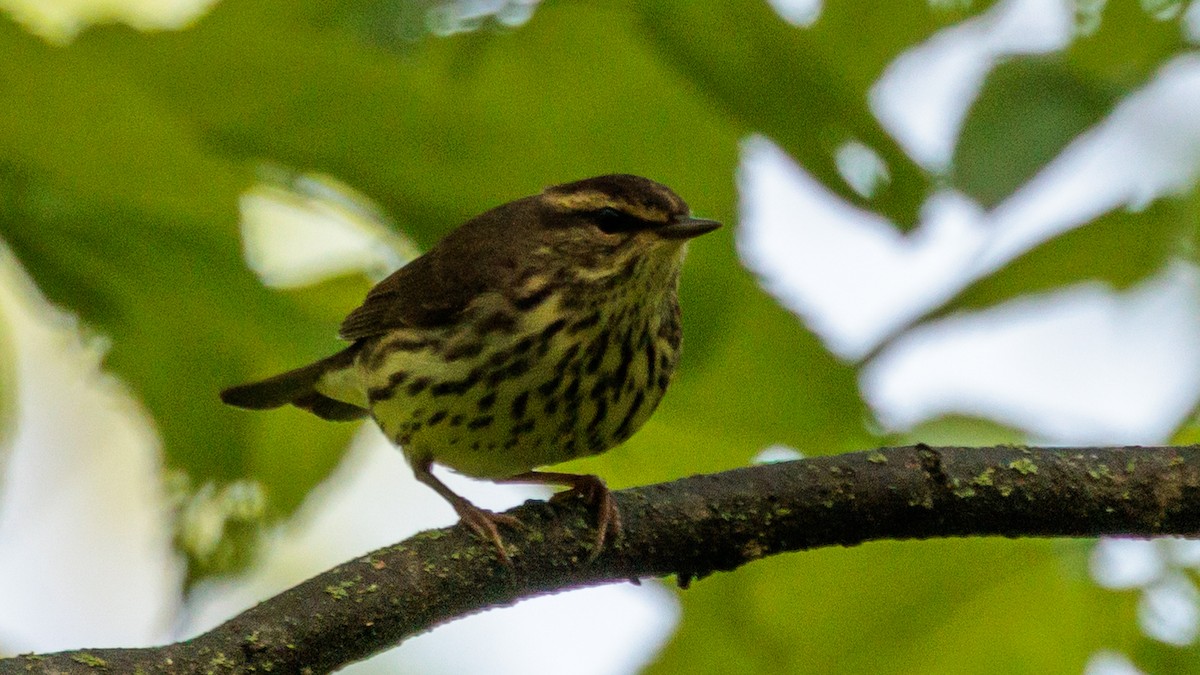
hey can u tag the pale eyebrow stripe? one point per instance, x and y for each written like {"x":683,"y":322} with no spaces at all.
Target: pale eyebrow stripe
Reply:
{"x":592,"y":201}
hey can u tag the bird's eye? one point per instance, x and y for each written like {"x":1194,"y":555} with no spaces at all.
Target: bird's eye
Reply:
{"x":611,"y":221}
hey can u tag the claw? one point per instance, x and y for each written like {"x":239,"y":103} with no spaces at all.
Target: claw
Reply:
{"x":608,"y":517}
{"x":593,"y":491}
{"x":482,"y":522}
{"x":485,"y":524}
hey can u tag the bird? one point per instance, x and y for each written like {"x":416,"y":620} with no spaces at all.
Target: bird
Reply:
{"x":543,"y":330}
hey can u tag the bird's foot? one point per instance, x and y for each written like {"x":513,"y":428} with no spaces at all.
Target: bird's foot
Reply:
{"x":486,"y":525}
{"x":596,"y":494}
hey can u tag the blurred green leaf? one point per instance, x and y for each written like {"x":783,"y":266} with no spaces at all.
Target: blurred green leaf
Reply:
{"x":1032,"y":107}
{"x":1028,"y":111}
{"x":8,"y":382}
{"x":1036,"y":612}
{"x":447,"y":128}
{"x":900,"y":607}
{"x":124,"y":216}
{"x":762,"y":380}
{"x":862,"y":39}
{"x":1120,"y":249}
{"x":1127,"y":47}
{"x":1188,"y":432}
{"x":770,"y":381}
{"x":1155,"y":657}
{"x":960,"y":430}
{"x":804,"y":88}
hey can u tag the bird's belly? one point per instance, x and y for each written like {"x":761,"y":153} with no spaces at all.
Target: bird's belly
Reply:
{"x":540,"y":398}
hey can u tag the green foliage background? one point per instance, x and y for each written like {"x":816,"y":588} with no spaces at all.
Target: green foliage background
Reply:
{"x":122,"y":156}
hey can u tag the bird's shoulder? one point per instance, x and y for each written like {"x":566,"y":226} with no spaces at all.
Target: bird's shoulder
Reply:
{"x":480,"y":256}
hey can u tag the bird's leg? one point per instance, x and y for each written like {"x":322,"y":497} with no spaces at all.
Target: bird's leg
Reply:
{"x":593,"y":491}
{"x":483,"y":522}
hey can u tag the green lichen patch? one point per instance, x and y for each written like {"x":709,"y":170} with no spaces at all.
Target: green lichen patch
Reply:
{"x":340,"y":591}
{"x":374,"y":562}
{"x":1023,"y":466}
{"x":90,"y":660}
{"x":984,"y":479}
{"x":877,"y":457}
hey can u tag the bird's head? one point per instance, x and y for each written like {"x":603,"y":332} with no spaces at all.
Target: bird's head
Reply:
{"x":609,"y":222}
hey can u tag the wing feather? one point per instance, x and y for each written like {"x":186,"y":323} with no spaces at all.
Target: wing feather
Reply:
{"x":433,"y":290}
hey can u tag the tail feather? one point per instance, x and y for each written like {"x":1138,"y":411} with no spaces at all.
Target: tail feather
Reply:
{"x":297,"y":387}
{"x":329,"y":408}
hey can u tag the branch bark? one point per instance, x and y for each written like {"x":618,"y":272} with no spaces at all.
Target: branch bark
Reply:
{"x":691,"y":528}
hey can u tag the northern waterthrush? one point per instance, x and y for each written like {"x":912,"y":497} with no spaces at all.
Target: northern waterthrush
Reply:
{"x":540,"y":331}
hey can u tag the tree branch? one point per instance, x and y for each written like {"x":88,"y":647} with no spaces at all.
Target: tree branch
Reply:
{"x":691,"y":528}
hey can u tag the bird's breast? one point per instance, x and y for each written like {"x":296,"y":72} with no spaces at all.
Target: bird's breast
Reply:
{"x":520,"y":385}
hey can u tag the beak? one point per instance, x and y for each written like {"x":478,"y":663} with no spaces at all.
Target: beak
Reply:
{"x":686,"y":228}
